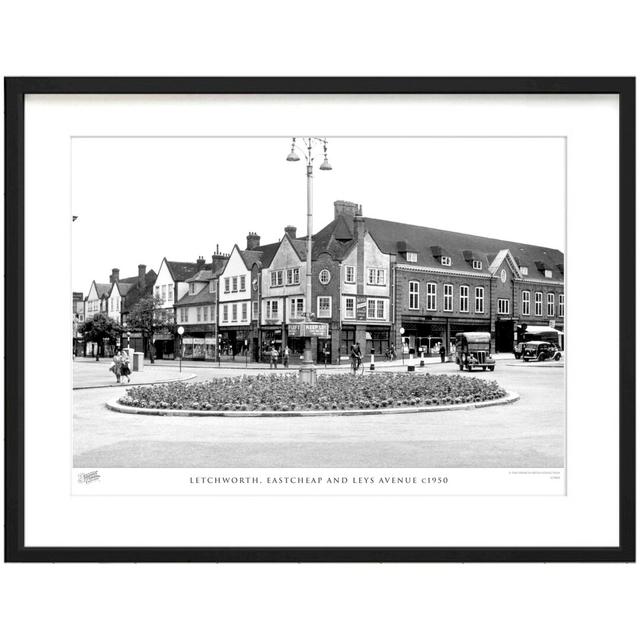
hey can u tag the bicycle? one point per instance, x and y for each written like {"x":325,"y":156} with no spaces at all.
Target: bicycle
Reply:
{"x":356,"y":365}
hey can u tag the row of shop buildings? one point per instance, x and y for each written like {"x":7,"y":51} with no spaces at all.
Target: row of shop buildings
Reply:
{"x":380,"y":283}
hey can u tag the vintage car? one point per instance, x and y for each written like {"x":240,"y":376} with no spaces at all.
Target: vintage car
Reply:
{"x":539,"y":350}
{"x":473,"y":351}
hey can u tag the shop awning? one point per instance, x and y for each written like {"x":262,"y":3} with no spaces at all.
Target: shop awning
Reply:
{"x":536,"y":329}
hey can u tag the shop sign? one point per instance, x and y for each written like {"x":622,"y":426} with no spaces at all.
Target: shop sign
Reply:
{"x":361,"y":308}
{"x":308,"y":330}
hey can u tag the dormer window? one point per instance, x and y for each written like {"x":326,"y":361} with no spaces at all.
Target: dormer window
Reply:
{"x":445,"y":261}
{"x":192,"y":288}
{"x":548,"y":273}
{"x":412,"y":256}
{"x":477,"y":264}
{"x":212,"y":286}
{"x":524,"y":271}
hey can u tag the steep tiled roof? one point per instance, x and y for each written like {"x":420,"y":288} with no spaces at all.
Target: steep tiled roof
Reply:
{"x":124,"y":287}
{"x":102,"y":289}
{"x":202,"y":297}
{"x":462,"y":248}
{"x":182,"y":271}
{"x":250,"y":256}
{"x":201,"y":276}
{"x":135,"y":293}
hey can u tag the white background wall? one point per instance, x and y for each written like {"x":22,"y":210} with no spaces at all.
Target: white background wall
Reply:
{"x":359,"y":601}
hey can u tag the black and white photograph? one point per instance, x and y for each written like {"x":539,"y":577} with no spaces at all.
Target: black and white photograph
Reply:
{"x":319,"y":302}
{"x":361,"y":317}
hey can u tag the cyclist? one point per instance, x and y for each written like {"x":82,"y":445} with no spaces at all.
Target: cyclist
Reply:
{"x":356,"y":356}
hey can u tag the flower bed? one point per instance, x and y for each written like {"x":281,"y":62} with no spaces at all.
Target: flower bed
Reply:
{"x":332,"y":392}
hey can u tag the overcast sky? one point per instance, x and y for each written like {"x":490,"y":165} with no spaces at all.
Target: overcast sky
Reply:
{"x":140,"y":199}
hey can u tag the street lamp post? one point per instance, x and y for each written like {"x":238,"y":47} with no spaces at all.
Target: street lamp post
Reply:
{"x":308,"y":372}
{"x":180,"y":332}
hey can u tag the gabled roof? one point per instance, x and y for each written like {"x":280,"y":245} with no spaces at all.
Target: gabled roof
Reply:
{"x":250,"y":257}
{"x":457,"y":246}
{"x":102,"y":289}
{"x":123,"y":287}
{"x":182,"y":271}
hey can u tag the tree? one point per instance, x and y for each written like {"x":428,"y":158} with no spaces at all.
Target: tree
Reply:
{"x":100,"y":329}
{"x":149,"y":317}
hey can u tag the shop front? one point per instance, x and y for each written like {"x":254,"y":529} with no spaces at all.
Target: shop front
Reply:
{"x":369,"y":337}
{"x":430,"y":333}
{"x":164,"y":346}
{"x":270,"y":336}
{"x":235,"y":343}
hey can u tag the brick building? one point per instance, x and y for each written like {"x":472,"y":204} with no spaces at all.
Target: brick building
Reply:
{"x":446,"y":282}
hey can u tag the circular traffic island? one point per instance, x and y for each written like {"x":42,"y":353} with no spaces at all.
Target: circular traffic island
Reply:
{"x":278,"y":395}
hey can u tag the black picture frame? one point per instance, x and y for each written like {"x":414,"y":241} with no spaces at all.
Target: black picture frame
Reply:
{"x":15,"y":91}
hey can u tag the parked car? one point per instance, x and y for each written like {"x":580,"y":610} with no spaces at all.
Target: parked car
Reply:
{"x":539,"y":350}
{"x":473,"y":350}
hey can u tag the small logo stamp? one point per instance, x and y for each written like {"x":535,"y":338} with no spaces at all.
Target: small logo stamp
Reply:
{"x":86,"y":478}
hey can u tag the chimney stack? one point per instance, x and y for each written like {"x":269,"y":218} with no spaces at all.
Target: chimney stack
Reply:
{"x":200,"y":262}
{"x":115,"y":275}
{"x":345,"y":207}
{"x":358,"y":224}
{"x":218,"y":260}
{"x":253,"y":240}
{"x":142,"y":274}
{"x":290,"y":231}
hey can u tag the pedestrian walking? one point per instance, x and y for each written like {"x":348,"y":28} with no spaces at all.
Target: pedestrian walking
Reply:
{"x":285,"y":357}
{"x":442,"y":351}
{"x":356,"y":356}
{"x":273,"y":363}
{"x":116,"y":367}
{"x":126,"y":370}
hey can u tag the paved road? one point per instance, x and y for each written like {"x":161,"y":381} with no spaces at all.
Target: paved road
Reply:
{"x":529,"y":433}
